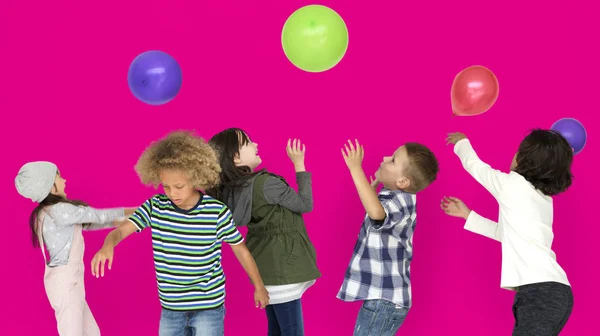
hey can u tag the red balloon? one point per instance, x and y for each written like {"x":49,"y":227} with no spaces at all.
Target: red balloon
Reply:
{"x":474,"y":91}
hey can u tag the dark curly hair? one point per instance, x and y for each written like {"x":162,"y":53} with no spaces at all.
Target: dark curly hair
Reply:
{"x":544,"y":159}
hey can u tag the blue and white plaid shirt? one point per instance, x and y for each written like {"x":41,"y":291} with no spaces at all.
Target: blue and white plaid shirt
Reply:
{"x":380,"y":265}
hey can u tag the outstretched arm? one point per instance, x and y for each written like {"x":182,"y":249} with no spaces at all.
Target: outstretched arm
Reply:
{"x":278,"y":192}
{"x":261,"y":296}
{"x":65,"y":214}
{"x":227,"y":232}
{"x":115,"y":223}
{"x":474,"y":222}
{"x":366,"y":192}
{"x":139,"y":220}
{"x":106,"y":254}
{"x":491,"y":179}
{"x":483,"y":226}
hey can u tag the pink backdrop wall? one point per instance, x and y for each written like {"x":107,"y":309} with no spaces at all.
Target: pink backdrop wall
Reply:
{"x":64,"y":98}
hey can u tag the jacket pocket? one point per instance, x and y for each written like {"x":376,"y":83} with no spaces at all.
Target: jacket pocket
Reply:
{"x":294,"y":253}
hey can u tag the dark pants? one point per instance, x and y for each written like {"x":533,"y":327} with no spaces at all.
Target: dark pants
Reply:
{"x":285,"y":319}
{"x":542,"y":309}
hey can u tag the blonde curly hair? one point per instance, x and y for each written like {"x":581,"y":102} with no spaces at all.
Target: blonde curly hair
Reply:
{"x":183,"y":151}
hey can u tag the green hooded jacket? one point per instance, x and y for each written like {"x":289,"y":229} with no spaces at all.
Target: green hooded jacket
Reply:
{"x":277,"y":237}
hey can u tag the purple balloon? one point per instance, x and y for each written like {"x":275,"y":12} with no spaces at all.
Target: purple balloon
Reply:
{"x":154,"y":77}
{"x":573,"y":131}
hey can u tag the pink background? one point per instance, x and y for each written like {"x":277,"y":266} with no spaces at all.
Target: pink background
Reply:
{"x":64,"y":98}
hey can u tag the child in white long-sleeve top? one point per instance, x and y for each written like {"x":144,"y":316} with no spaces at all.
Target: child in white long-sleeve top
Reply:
{"x":540,"y":169}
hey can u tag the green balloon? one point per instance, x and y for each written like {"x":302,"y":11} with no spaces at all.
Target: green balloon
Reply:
{"x":314,"y":38}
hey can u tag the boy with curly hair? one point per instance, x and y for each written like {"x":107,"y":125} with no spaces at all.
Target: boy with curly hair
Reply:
{"x":188,"y":229}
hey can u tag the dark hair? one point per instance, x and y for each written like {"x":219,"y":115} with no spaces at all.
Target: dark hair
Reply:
{"x":422,"y":168}
{"x":48,"y":201}
{"x":227,"y":145}
{"x":544,"y":160}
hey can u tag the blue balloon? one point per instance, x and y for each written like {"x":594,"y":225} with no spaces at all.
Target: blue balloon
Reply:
{"x":573,"y":131}
{"x":154,"y":77}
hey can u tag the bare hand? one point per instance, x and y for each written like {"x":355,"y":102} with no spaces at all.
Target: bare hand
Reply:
{"x":374,"y":181}
{"x":353,"y":156}
{"x":105,"y":254}
{"x":453,"y":138}
{"x":295,"y":150}
{"x":454,"y":207}
{"x":261,"y":297}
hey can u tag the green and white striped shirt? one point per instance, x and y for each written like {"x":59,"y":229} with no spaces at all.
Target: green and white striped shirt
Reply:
{"x":187,"y":250}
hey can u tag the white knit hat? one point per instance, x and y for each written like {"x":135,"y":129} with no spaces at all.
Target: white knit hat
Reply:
{"x":36,"y":179}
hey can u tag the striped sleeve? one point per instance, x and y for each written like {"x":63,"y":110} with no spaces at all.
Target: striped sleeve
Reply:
{"x":141,"y":217}
{"x":226,"y":230}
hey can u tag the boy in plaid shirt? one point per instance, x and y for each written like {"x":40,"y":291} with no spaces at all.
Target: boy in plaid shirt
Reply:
{"x":379,"y":271}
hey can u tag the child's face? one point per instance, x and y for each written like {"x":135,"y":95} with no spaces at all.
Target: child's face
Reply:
{"x":392,"y":171}
{"x":59,"y":186}
{"x":178,"y":188}
{"x":248,"y":155}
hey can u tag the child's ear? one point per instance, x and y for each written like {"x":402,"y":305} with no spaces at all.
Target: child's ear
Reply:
{"x":236,"y":159}
{"x":403,"y":183}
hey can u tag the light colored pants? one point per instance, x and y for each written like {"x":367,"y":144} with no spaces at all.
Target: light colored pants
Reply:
{"x":379,"y":318}
{"x":64,"y":287}
{"x":67,"y":298}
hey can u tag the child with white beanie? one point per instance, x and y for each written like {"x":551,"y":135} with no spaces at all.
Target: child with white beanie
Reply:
{"x":57,"y":223}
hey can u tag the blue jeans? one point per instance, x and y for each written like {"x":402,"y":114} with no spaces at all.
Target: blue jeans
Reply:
{"x":285,"y":319}
{"x":379,"y":318}
{"x":209,"y":322}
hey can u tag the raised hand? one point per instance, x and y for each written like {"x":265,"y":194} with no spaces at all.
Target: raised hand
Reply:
{"x":374,"y":182}
{"x":353,"y":155}
{"x":295,"y":150}
{"x":454,"y":207}
{"x":453,"y":138}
